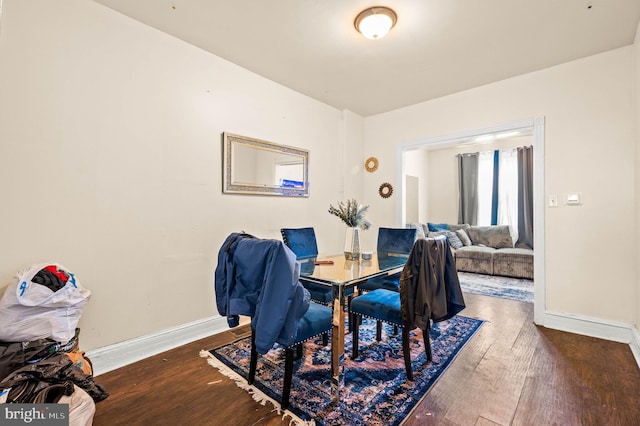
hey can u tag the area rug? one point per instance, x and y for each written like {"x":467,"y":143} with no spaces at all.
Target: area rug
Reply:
{"x":376,"y":391}
{"x":519,"y":289}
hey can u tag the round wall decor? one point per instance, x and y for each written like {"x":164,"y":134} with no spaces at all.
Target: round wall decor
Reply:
{"x":385,"y":190}
{"x":371,"y":165}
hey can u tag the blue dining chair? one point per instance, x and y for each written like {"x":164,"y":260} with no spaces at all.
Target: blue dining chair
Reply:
{"x":259,"y":278}
{"x":391,"y":241}
{"x":386,"y":306}
{"x":429,"y":292}
{"x":315,"y":322}
{"x":302,"y":241}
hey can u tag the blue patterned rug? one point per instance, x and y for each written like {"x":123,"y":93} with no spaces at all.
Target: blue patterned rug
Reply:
{"x":376,"y":390}
{"x":519,"y":289}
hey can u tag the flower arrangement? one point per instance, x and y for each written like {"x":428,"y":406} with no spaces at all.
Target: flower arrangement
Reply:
{"x":351,"y":213}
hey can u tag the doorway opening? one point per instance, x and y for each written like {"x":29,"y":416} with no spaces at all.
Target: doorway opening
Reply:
{"x":410,"y":152}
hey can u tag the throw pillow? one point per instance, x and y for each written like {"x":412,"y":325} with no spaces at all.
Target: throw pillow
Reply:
{"x":463,"y":237}
{"x":435,"y":227}
{"x":419,"y":230}
{"x":496,"y":236}
{"x":453,"y":239}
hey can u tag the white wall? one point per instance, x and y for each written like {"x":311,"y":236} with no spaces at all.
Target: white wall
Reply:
{"x":589,"y":147}
{"x":111,"y":162}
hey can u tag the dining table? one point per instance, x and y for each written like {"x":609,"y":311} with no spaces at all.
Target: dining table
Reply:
{"x":340,"y":274}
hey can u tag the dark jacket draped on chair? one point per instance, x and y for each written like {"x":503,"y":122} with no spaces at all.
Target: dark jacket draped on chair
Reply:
{"x":259,"y":278}
{"x":429,"y":285}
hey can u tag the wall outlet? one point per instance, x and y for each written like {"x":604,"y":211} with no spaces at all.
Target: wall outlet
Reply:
{"x":553,"y":200}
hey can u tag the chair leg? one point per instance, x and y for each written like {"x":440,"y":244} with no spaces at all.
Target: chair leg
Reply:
{"x":356,"y":333}
{"x":299,"y":351}
{"x":288,"y":374}
{"x":406,"y":352}
{"x":395,"y":330}
{"x":427,"y":344}
{"x":254,"y":359}
{"x":349,"y":314}
{"x":325,"y":339}
{"x":378,"y":330}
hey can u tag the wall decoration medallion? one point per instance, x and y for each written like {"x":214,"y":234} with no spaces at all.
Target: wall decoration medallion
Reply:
{"x":385,"y":190}
{"x":371,"y":164}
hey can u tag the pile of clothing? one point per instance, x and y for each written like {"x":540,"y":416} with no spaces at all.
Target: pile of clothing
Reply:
{"x":40,"y":358}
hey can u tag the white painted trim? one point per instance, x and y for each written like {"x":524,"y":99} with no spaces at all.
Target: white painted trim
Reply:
{"x":635,"y":344}
{"x":539,"y":244}
{"x":118,"y":355}
{"x":467,"y":135}
{"x":586,"y":326}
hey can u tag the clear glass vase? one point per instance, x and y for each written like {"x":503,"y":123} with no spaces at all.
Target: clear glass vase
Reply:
{"x":352,"y":243}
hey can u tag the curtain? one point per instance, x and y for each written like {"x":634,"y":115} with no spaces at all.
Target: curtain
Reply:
{"x":525,"y":197}
{"x":508,"y":191}
{"x":496,"y":185}
{"x":468,"y":184}
{"x":485,"y":187}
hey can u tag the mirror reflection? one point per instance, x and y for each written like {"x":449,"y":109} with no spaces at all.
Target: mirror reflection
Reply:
{"x":253,"y":166}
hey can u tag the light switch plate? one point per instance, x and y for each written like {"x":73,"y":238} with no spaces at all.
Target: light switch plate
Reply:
{"x":573,"y":199}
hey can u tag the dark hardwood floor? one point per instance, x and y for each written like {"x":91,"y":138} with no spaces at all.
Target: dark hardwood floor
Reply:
{"x":510,"y":373}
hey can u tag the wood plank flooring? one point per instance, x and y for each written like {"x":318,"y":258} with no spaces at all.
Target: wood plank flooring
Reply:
{"x":510,"y":373}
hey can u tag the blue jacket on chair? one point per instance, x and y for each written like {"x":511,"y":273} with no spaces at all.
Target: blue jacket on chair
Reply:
{"x":259,"y":278}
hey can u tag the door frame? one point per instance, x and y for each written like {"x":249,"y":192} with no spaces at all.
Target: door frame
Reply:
{"x":533,"y":126}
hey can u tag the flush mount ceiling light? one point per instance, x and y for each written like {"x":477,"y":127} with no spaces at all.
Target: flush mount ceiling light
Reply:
{"x":375,"y":22}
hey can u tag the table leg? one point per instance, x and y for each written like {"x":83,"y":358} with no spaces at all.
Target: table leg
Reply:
{"x":337,"y":346}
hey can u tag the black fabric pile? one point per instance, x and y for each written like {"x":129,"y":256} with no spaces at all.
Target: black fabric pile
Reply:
{"x":40,"y":372}
{"x":49,"y":279}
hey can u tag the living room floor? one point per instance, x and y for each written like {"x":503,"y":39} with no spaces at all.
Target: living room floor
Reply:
{"x":510,"y":373}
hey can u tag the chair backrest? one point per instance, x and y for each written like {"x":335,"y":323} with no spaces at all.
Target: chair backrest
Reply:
{"x":396,"y":240}
{"x":254,"y":278}
{"x":301,"y":241}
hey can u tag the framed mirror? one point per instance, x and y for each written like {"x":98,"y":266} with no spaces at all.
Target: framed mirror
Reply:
{"x":254,"y":166}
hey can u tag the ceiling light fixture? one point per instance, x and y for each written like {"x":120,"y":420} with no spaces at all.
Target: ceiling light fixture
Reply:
{"x":375,"y":22}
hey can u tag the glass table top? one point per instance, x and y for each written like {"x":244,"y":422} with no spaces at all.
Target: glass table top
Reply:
{"x":342,"y":271}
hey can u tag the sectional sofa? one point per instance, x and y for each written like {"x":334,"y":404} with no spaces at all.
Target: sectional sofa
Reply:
{"x":482,"y":249}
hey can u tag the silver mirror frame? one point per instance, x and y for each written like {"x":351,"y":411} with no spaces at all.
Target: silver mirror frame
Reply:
{"x":228,"y":186}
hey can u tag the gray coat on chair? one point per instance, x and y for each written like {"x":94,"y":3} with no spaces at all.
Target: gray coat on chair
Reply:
{"x":429,"y":285}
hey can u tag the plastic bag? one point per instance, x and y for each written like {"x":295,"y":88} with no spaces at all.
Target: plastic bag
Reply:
{"x":30,"y":310}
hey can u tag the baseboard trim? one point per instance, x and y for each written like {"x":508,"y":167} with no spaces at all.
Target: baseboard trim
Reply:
{"x":635,"y":344}
{"x":595,"y":327}
{"x":118,"y":355}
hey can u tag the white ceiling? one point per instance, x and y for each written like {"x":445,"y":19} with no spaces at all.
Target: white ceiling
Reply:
{"x":438,"y":47}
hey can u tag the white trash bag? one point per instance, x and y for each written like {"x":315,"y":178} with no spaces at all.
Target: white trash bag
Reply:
{"x":42,"y":301}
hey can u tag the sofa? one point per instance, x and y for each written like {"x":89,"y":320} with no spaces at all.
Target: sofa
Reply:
{"x":482,"y":249}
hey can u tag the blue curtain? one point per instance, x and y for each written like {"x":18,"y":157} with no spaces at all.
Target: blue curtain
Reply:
{"x":496,"y":180}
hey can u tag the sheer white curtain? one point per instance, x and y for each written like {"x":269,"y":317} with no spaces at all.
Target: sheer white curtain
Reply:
{"x":508,"y":191}
{"x":485,"y":187}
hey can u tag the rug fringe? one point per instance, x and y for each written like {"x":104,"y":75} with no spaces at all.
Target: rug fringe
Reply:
{"x":255,"y":393}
